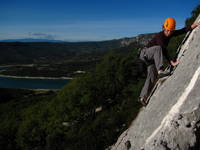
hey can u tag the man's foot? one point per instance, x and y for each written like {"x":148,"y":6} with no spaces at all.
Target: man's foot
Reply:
{"x":163,"y":73}
{"x":142,"y":101}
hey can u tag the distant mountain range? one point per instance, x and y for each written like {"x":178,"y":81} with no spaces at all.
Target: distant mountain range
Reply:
{"x":142,"y":39}
{"x":30,"y":40}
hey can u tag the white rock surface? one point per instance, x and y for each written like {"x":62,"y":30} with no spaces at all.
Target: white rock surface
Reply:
{"x":172,"y":118}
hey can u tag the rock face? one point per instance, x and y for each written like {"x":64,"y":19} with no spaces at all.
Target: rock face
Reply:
{"x":171,"y":120}
{"x":142,"y":39}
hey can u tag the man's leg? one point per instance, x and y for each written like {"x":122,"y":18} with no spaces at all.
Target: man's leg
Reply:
{"x":154,"y":54}
{"x":150,"y":81}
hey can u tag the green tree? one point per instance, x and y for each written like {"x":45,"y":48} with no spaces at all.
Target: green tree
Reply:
{"x":195,"y":14}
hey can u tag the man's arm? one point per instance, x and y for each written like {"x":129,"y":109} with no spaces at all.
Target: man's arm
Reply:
{"x":195,"y":25}
{"x":181,"y":31}
{"x":174,"y":63}
{"x":186,"y":29}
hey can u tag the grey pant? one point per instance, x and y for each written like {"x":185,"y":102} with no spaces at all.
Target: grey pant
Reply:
{"x":153,"y":57}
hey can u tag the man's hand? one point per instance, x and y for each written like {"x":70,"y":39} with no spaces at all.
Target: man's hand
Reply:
{"x":174,"y":63}
{"x":195,"y":25}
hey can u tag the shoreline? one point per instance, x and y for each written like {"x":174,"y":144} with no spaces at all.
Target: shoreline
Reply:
{"x":27,"y":77}
{"x":34,"y":90}
{"x":43,"y":90}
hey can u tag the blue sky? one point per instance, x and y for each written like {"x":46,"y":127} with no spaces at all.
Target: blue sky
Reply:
{"x":88,"y":20}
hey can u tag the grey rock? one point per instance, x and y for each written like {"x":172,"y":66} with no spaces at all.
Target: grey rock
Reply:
{"x":142,"y":39}
{"x":171,"y":120}
{"x":128,"y":145}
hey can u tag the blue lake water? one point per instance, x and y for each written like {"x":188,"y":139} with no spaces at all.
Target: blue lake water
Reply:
{"x":7,"y":82}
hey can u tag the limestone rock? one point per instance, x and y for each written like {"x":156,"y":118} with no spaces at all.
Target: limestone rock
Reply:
{"x":171,"y":120}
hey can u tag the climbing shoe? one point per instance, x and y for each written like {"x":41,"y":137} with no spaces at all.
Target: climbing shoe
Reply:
{"x":163,"y":73}
{"x":143,"y":101}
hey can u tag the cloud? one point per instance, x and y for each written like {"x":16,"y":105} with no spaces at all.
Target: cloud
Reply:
{"x":42,"y":36}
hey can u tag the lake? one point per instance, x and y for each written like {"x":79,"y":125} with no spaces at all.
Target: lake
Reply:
{"x":25,"y":83}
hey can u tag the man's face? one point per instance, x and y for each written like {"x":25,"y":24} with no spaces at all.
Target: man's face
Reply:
{"x":168,"y":32}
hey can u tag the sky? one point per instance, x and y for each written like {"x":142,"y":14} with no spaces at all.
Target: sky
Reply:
{"x":88,"y":20}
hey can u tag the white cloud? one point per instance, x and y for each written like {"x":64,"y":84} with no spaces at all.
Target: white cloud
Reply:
{"x":40,"y":35}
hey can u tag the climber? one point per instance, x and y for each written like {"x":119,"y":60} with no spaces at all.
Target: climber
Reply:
{"x":152,"y":55}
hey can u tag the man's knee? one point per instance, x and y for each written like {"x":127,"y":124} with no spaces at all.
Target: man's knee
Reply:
{"x":158,"y":48}
{"x":152,"y":71}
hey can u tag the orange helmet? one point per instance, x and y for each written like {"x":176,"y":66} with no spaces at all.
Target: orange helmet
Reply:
{"x":169,"y":24}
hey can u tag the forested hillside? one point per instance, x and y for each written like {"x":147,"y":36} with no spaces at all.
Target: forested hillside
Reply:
{"x":63,"y":59}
